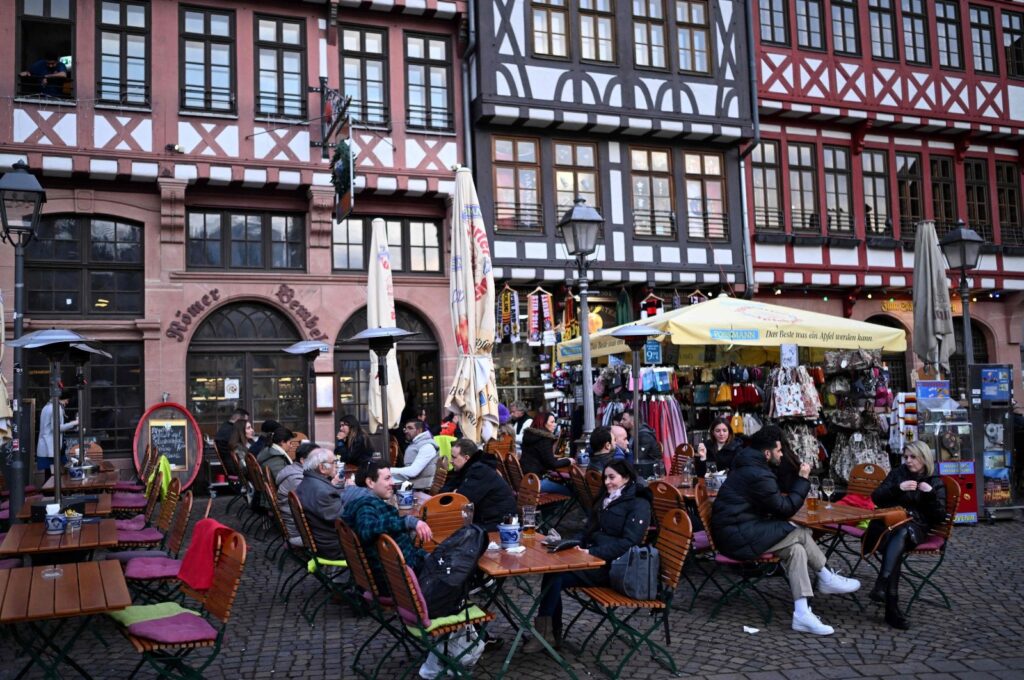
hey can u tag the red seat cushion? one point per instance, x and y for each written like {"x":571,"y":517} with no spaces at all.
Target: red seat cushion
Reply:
{"x":175,"y":630}
{"x":852,"y":530}
{"x":933,"y":542}
{"x":128,"y":500}
{"x":722,"y":559}
{"x":147,"y":535}
{"x":146,"y":568}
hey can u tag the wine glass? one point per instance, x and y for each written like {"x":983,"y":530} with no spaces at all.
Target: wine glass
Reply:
{"x":828,"y":487}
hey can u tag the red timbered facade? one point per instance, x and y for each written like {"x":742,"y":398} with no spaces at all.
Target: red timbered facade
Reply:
{"x":874,"y":116}
{"x":189,"y":216}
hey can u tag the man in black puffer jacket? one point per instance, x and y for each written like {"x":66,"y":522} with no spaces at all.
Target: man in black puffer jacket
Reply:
{"x":751,"y":517}
{"x":476,"y":477}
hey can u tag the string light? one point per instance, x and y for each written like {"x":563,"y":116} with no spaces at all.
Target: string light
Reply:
{"x":778,"y":291}
{"x":824,"y":298}
{"x":869,"y":296}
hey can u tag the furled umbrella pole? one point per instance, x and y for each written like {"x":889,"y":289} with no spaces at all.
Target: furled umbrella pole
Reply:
{"x":934,"y":342}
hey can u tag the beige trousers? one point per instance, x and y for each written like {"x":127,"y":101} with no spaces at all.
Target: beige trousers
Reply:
{"x":798,"y":551}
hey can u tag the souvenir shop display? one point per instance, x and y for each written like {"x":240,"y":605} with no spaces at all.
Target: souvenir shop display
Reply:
{"x":794,"y":402}
{"x":855,"y":385}
{"x":540,"y":318}
{"x":506,"y":313}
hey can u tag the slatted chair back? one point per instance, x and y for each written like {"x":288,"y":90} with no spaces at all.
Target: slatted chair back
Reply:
{"x":703,"y":502}
{"x":227,"y":573}
{"x":153,"y":496}
{"x":952,"y":501}
{"x":865,"y":478}
{"x":682,"y":453}
{"x":254,"y":473}
{"x":675,"y":533}
{"x":501,"y":447}
{"x":578,"y":478}
{"x":149,"y":461}
{"x":440,"y":477}
{"x":179,"y":526}
{"x":393,"y":451}
{"x":275,"y":509}
{"x":666,"y":499}
{"x":595,"y":480}
{"x":94,"y":452}
{"x":443,"y":513}
{"x":529,"y":491}
{"x":403,"y":590}
{"x":358,"y":563}
{"x":515,"y":471}
{"x":299,"y":517}
{"x":234,"y":466}
{"x":169,"y":505}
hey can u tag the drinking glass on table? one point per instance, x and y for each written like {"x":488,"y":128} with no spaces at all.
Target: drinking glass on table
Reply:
{"x":812,"y":496}
{"x":828,"y":487}
{"x":659,"y":470}
{"x":377,"y":457}
{"x":529,"y":519}
{"x":467,"y":514}
{"x":712,"y":468}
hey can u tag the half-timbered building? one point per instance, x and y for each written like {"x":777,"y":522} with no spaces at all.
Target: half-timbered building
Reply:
{"x":874,"y":116}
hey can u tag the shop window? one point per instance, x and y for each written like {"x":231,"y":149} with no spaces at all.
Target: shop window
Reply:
{"x":649,"y":47}
{"x":882,"y":22}
{"x":364,"y":74}
{"x":414,"y":245}
{"x":774,"y":22}
{"x":979,"y":210}
{"x":1013,"y":41}
{"x":844,"y":27}
{"x":705,"y":196}
{"x":768,"y":215}
{"x":550,"y":28}
{"x":915,"y":31}
{"x":693,"y":32}
{"x":1008,"y":199}
{"x":575,"y":174}
{"x":810,"y":28}
{"x":517,"y":198}
{"x":207,"y":60}
{"x":280,"y":57}
{"x":46,"y":43}
{"x":947,"y":29}
{"x":651,"y":181}
{"x":255,"y":241}
{"x":943,"y":182}
{"x":85,"y":266}
{"x":803,"y":189}
{"x":876,"y":195}
{"x":597,"y":32}
{"x":838,"y":199}
{"x":428,"y":83}
{"x":113,"y":401}
{"x":909,"y":184}
{"x":123,"y":72}
{"x":983,"y":40}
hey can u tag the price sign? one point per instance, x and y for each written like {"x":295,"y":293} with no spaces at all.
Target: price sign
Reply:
{"x":652,"y":352}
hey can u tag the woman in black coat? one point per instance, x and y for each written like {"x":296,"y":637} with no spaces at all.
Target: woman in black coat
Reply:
{"x":916,"y":488}
{"x":354,"y":445}
{"x":722,"y":446}
{"x":620,"y":520}
{"x":476,"y":477}
{"x":538,"y":454}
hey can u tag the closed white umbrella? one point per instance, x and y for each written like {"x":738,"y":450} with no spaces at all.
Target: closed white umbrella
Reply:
{"x":5,"y":406}
{"x":934,"y":342}
{"x":473,"y":394}
{"x":380,"y":313}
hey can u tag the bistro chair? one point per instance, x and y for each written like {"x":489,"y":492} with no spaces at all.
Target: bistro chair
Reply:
{"x":171,"y":634}
{"x":578,"y":478}
{"x":864,"y":479}
{"x":682,"y":454}
{"x":328,"y":572}
{"x":260,"y":517}
{"x":443,"y":513}
{"x":154,"y":536}
{"x":666,"y":498}
{"x":285,"y":549}
{"x":419,"y":630}
{"x":394,"y":451}
{"x":530,"y":494}
{"x":595,"y":482}
{"x":126,"y":503}
{"x":515,"y":472}
{"x":748,"y":573}
{"x":673,"y":543}
{"x":501,"y":448}
{"x":155,"y":578}
{"x":440,"y":477}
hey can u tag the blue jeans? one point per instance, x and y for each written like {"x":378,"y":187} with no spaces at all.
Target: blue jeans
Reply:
{"x":547,"y":486}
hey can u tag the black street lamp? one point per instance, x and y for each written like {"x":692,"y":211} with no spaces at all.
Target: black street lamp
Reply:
{"x":309,"y":350}
{"x":580,"y":227}
{"x":381,"y":340}
{"x":636,"y":337}
{"x":21,"y":198}
{"x":962,"y":248}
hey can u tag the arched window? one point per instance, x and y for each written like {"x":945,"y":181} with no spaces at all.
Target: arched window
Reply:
{"x":957,"y":365}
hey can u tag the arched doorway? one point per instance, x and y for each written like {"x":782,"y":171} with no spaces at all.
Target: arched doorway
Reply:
{"x":418,"y":364}
{"x":242,"y":342}
{"x":957,"y":365}
{"x":896,"y":361}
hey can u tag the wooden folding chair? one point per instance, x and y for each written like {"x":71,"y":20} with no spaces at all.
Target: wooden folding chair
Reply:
{"x":152,"y":578}
{"x":153,"y":536}
{"x":260,"y":516}
{"x":283,"y":550}
{"x":514,"y":471}
{"x":673,"y":544}
{"x":440,"y":477}
{"x":682,"y":454}
{"x":443,"y":513}
{"x":126,"y":503}
{"x":666,"y":498}
{"x":419,"y":630}
{"x":394,"y":450}
{"x":578,"y":478}
{"x":530,"y":494}
{"x":846,"y":539}
{"x":595,"y":482}
{"x":328,"y":572}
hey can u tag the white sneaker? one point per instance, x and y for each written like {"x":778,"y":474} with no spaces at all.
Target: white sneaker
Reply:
{"x":809,"y":623}
{"x":831,"y":583}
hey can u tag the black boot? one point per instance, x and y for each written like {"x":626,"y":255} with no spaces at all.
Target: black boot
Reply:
{"x":877,"y":593}
{"x":893,"y":616}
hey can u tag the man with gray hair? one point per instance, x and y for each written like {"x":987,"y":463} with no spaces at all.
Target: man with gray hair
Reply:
{"x":320,"y":493}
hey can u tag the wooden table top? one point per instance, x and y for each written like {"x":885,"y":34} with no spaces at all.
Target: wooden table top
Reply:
{"x":26,"y":539}
{"x":100,"y":481}
{"x":837,"y":514}
{"x":99,"y":507}
{"x":535,"y":560}
{"x":85,"y":588}
{"x":687,"y":491}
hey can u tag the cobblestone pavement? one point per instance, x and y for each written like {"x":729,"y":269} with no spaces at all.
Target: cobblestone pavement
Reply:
{"x":980,"y":638}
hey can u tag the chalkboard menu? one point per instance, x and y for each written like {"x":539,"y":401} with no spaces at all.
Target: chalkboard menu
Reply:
{"x":170,"y":438}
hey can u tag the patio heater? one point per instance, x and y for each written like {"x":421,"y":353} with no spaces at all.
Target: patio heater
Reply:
{"x":309,"y":350}
{"x":580,"y":226}
{"x":635,"y":337}
{"x":381,"y":340}
{"x":21,"y":199}
{"x":962,"y":248}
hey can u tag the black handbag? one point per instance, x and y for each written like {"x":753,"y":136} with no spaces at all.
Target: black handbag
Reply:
{"x":635,"y":573}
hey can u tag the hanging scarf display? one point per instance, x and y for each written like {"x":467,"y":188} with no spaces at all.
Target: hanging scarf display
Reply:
{"x":570,"y":324}
{"x":697,"y":297}
{"x":623,"y":308}
{"x":541,"y":321}
{"x":677,"y":302}
{"x":652,"y":305}
{"x":507,"y":316}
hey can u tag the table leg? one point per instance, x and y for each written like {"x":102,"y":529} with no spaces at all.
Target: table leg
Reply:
{"x":45,"y":652}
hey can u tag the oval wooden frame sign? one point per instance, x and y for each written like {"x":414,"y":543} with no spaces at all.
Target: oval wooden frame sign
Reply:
{"x":172,"y":430}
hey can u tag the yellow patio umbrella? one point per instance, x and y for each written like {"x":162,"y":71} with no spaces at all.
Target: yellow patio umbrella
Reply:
{"x":731,"y":321}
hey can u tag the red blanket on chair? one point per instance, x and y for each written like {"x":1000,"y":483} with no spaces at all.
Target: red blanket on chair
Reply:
{"x":197,"y":565}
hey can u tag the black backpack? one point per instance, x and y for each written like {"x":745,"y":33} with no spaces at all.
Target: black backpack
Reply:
{"x":445,"y":573}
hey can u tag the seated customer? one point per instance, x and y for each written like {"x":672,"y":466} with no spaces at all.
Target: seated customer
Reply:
{"x":538,"y":454}
{"x":288,"y":480}
{"x":367,"y":512}
{"x":603,"y":449}
{"x":320,"y":494}
{"x":620,"y":520}
{"x":420,"y":457}
{"x":275,"y":457}
{"x":476,"y":477}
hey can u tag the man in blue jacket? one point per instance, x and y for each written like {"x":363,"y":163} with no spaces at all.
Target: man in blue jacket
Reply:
{"x":751,"y":517}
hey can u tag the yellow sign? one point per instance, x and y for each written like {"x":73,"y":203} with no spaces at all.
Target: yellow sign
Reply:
{"x":908,"y":306}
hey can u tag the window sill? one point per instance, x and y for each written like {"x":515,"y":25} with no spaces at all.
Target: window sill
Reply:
{"x":809,"y":240}
{"x":46,"y":101}
{"x":883,"y":242}
{"x":771,"y":237}
{"x":111,"y":106}
{"x":843,"y":241}
{"x":208,"y":114}
{"x":1013,"y":250}
{"x":429,"y":131}
{"x":274,"y":120}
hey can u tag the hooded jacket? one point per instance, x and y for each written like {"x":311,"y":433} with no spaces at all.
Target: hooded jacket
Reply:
{"x":491,"y":496}
{"x":274,"y":458}
{"x":538,"y":454}
{"x":611,"y":531}
{"x":369,"y":517}
{"x":420,"y":463}
{"x":750,"y":514}
{"x":321,"y":503}
{"x":288,"y":480}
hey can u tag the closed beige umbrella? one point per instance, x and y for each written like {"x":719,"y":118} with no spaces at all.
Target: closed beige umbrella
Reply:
{"x":934,"y":342}
{"x":5,"y":405}
{"x":380,"y":313}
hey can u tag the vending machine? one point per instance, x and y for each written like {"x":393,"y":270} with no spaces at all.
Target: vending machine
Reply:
{"x":990,"y":391}
{"x":946,"y":427}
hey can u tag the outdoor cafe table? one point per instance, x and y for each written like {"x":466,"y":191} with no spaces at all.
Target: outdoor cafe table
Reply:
{"x":36,"y":609}
{"x":32,"y":539}
{"x":505,"y":567}
{"x":828,"y":518}
{"x":688,"y":492}
{"x":98,"y":508}
{"x":101,"y":481}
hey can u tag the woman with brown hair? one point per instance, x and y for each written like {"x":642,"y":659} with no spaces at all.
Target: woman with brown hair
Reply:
{"x":538,"y":454}
{"x":722,"y":446}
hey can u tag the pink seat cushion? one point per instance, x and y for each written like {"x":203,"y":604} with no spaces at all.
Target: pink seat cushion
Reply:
{"x":137,"y":523}
{"x":125,"y":555}
{"x":700,"y":541}
{"x":128,"y":500}
{"x":11,"y":563}
{"x":129,"y":486}
{"x":4,"y":505}
{"x":854,"y":531}
{"x":146,"y":568}
{"x":383,"y":600}
{"x":5,"y":513}
{"x":722,"y":559}
{"x":933,"y":542}
{"x":411,"y":617}
{"x":175,"y":630}
{"x":147,"y":535}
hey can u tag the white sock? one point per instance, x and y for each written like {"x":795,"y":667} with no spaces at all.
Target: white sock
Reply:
{"x":800,"y":607}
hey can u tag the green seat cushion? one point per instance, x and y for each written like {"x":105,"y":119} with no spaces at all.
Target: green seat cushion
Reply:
{"x":473,"y":612}
{"x":324,"y":562}
{"x":148,"y":612}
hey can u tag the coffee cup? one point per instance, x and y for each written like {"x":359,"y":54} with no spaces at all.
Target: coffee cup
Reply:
{"x":406,"y":498}
{"x":76,"y":472}
{"x":56,"y":523}
{"x":510,"y":535}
